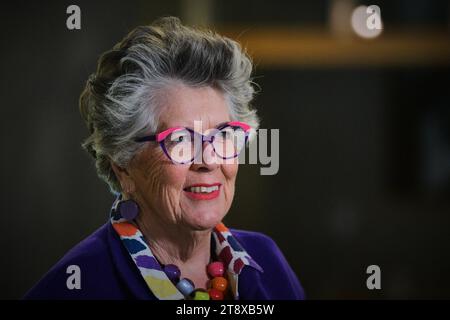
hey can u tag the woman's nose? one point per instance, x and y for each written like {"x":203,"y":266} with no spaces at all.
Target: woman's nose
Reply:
{"x":206,"y":160}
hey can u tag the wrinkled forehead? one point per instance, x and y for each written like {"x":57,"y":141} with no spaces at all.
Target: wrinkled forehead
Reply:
{"x":190,"y":107}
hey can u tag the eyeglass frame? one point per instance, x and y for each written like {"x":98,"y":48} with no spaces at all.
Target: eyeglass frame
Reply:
{"x":159,"y":138}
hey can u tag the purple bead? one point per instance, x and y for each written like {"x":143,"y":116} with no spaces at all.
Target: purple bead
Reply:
{"x":128,"y":209}
{"x":172,"y":272}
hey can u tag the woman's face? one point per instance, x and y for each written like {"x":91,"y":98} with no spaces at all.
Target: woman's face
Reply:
{"x":163,"y":187}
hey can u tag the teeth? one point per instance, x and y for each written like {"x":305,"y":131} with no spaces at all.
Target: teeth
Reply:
{"x":203,"y":189}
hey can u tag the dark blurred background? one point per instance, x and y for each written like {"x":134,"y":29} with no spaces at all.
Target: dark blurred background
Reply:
{"x":364,"y":124}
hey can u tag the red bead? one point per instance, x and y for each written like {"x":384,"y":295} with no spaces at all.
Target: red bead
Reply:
{"x":215,"y":294}
{"x":219,"y":283}
{"x":216,"y":269}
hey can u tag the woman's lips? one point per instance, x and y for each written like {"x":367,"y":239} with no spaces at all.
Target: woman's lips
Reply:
{"x":203,"y":191}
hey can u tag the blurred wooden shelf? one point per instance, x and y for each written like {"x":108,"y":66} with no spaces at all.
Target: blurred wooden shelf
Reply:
{"x":289,"y":47}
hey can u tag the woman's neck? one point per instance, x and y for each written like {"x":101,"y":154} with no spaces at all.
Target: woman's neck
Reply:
{"x":175,"y":244}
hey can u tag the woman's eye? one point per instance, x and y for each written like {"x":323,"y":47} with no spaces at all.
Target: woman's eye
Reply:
{"x":226,"y":134}
{"x":179,"y":139}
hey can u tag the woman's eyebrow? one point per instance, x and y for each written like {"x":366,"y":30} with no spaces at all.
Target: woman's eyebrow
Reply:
{"x":189,"y":127}
{"x":222,"y":124}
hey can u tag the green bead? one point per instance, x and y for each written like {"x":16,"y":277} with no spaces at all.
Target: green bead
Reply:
{"x":201,"y":295}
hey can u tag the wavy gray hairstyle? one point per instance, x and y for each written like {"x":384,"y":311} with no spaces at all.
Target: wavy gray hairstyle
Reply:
{"x":120,"y":100}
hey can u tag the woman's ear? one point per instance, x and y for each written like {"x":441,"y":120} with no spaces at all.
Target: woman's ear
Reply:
{"x":124,"y":177}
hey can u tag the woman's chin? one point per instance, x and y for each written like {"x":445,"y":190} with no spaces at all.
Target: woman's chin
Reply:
{"x":203,"y":220}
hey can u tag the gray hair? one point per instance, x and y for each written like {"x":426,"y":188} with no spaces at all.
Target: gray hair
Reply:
{"x":120,"y":101}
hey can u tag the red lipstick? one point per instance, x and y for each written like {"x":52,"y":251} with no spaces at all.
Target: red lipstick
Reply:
{"x":203,"y":195}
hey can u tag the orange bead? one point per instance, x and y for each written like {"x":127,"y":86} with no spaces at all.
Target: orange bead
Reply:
{"x":219,"y":283}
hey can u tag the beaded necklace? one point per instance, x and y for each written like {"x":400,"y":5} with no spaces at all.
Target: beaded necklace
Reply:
{"x":217,"y":284}
{"x":224,"y":273}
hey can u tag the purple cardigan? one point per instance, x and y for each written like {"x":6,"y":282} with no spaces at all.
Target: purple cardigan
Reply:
{"x":108,"y":272}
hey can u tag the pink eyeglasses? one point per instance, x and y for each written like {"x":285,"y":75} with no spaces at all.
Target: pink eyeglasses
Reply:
{"x":182,"y":145}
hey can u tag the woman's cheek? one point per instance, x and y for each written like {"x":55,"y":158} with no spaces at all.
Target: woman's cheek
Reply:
{"x":230,"y":173}
{"x":148,"y":174}
{"x":174,"y":180}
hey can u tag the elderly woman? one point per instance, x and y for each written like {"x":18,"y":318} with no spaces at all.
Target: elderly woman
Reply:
{"x":168,"y":113}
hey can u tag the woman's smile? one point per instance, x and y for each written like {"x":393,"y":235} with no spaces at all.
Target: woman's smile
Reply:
{"x":203,"y":191}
